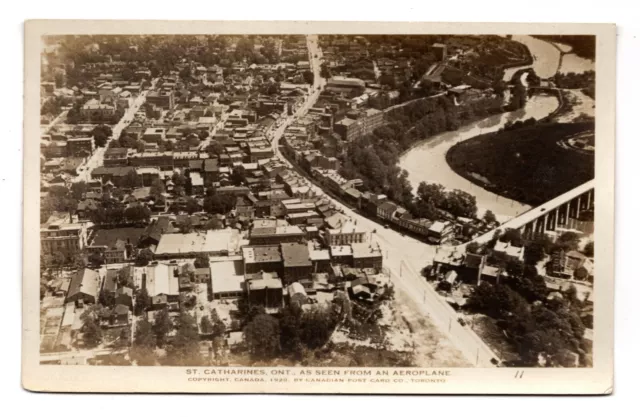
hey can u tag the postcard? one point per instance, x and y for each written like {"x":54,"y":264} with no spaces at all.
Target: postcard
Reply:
{"x":318,"y":207}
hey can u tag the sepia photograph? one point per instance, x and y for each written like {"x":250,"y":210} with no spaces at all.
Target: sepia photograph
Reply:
{"x":325,"y":205}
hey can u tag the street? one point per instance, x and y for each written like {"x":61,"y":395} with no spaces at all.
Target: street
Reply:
{"x":96,"y":159}
{"x":403,"y":255}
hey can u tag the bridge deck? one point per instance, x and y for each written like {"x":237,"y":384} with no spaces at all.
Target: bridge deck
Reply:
{"x":539,"y":211}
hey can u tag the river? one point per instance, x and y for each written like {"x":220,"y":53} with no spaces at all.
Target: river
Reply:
{"x":546,"y":57}
{"x":426,"y":161}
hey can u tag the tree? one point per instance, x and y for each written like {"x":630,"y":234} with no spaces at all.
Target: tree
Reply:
{"x":567,"y":241}
{"x":143,"y":301}
{"x":219,"y":204}
{"x":512,"y":236}
{"x":238,"y":176}
{"x":131,"y":180}
{"x":290,"y":340}
{"x":162,"y":326}
{"x":184,"y":349}
{"x":206,"y":327}
{"x":91,"y":331}
{"x":262,"y":336}
{"x":472,"y":247}
{"x":96,"y":259}
{"x":308,"y":77}
{"x":461,"y":204}
{"x":218,"y":326}
{"x":202,"y":261}
{"x":137,"y":214}
{"x":536,"y":250}
{"x":192,"y":206}
{"x":489,"y":217}
{"x":157,"y":187}
{"x":588,"y":249}
{"x":144,"y":257}
{"x":78,"y":190}
{"x":316,"y":327}
{"x":99,"y":140}
{"x":144,"y":343}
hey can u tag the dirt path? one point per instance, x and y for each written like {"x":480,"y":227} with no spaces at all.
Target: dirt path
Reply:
{"x":432,"y":349}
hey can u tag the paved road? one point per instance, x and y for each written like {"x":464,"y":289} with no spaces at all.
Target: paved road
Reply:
{"x":403,"y":255}
{"x":97,"y":158}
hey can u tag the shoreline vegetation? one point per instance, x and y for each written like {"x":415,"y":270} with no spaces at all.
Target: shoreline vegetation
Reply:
{"x":525,"y":163}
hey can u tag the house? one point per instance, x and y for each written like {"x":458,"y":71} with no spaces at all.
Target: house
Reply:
{"x":124,"y":296}
{"x":121,"y":315}
{"x":84,"y":287}
{"x":153,"y":232}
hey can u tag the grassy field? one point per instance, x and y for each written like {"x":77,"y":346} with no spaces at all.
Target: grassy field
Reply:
{"x":525,"y":164}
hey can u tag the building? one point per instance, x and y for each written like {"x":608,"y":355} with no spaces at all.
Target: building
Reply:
{"x":114,"y":175}
{"x":346,"y":234}
{"x":115,"y":245}
{"x":94,"y":111}
{"x":160,"y":160}
{"x":162,"y":99}
{"x":265,"y":290}
{"x":154,"y":134}
{"x":296,"y":262}
{"x":188,"y":245}
{"x":362,"y":123}
{"x":227,"y":279}
{"x":80,"y":147}
{"x":162,"y":284}
{"x":366,"y":255}
{"x":351,"y":86}
{"x":84,"y":287}
{"x":115,"y":157}
{"x":63,"y":235}
{"x":440,"y":232}
{"x":341,"y":255}
{"x":262,"y":259}
{"x":439,"y":50}
{"x":275,"y":235}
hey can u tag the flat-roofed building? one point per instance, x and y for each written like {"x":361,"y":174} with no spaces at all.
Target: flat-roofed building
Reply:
{"x":296,"y":261}
{"x":341,"y":254}
{"x":276,"y":235}
{"x":188,"y":245}
{"x":366,"y":255}
{"x":115,"y":157}
{"x":81,"y":147}
{"x":262,"y":258}
{"x":162,"y":99}
{"x":346,"y":234}
{"x":63,"y":235}
{"x":227,"y":279}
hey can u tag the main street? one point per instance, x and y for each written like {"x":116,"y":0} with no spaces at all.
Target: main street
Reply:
{"x":403,"y":255}
{"x":96,"y":159}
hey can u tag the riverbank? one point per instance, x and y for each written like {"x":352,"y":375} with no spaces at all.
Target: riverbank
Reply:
{"x":425,"y":160}
{"x":525,"y":164}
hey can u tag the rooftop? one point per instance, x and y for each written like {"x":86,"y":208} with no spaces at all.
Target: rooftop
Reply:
{"x":295,"y":254}
{"x":256,"y":254}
